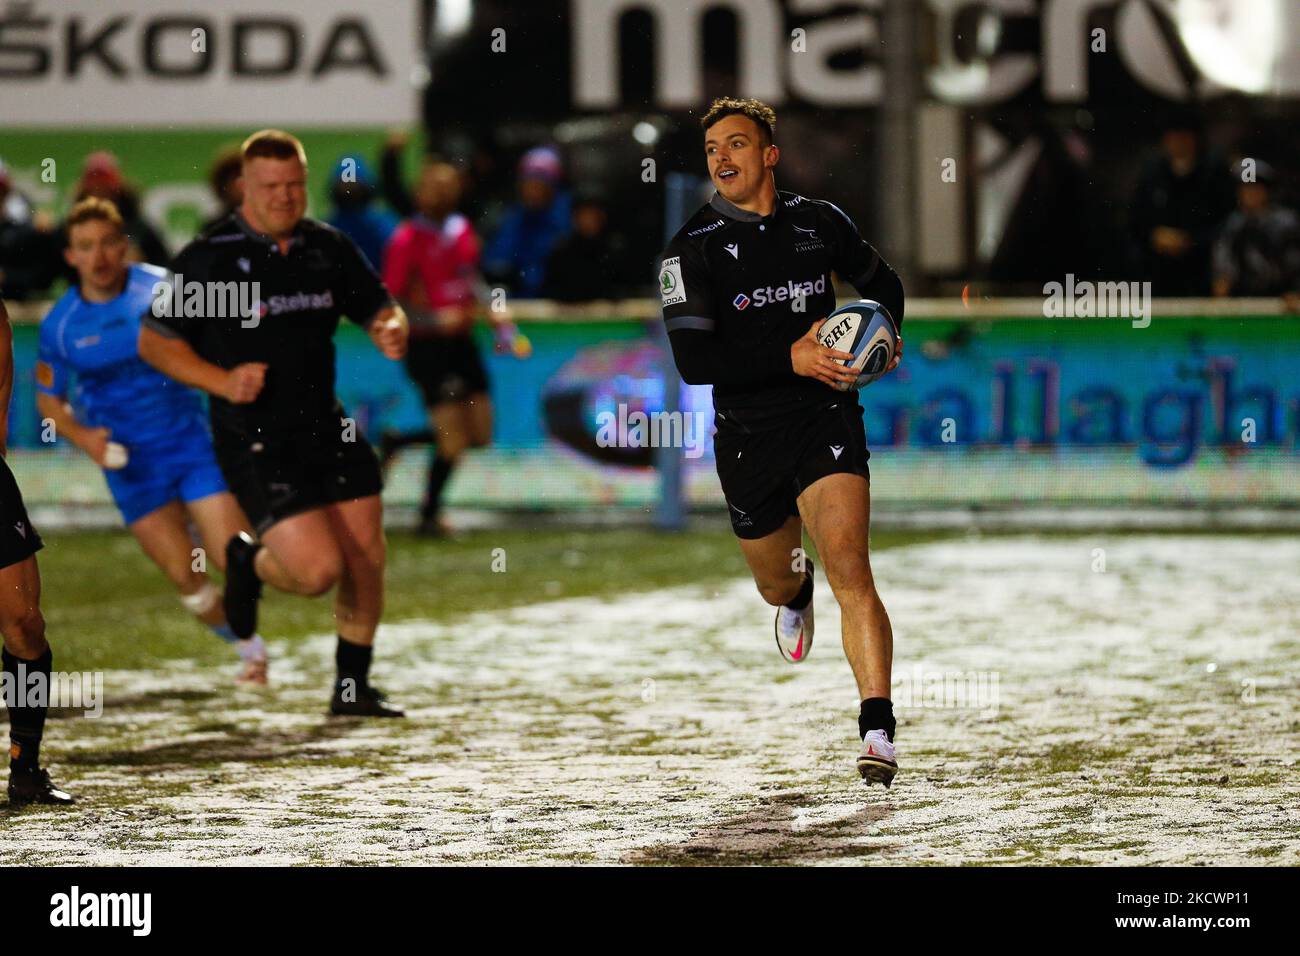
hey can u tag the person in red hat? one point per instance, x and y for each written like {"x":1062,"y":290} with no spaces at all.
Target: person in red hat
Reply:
{"x":101,"y":177}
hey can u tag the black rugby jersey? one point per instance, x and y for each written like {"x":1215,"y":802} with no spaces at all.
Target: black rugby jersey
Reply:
{"x":738,"y":289}
{"x":302,"y":294}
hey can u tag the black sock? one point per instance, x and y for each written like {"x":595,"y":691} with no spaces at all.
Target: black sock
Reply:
{"x":439,"y":472}
{"x":353,"y":661}
{"x":877,"y":713}
{"x":399,"y":441}
{"x":801,"y":600}
{"x":425,"y":437}
{"x":26,"y":723}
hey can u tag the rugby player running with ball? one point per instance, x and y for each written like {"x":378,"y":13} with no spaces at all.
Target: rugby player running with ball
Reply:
{"x":301,"y":469}
{"x":745,"y":283}
{"x":147,"y":432}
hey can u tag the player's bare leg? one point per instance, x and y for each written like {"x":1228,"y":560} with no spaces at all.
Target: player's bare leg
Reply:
{"x":271,"y":569}
{"x":452,"y":427}
{"x":359,"y":532}
{"x":308,"y":554}
{"x":165,"y":539}
{"x":771,"y":561}
{"x":784,"y":577}
{"x":479,"y":415}
{"x":300,"y":554}
{"x":837,"y":510}
{"x":297,"y":555}
{"x":25,"y":647}
{"x":218,"y":518}
{"x":164,"y":536}
{"x":358,"y":528}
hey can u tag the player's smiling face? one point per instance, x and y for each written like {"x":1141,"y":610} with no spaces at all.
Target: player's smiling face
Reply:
{"x":275,"y":195}
{"x":97,"y":250}
{"x":737,"y":157}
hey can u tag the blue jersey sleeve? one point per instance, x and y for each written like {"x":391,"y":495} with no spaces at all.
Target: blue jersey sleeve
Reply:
{"x":51,"y":364}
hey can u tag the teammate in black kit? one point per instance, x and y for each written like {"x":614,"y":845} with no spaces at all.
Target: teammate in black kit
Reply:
{"x":302,"y":471}
{"x":744,"y":284}
{"x":26,"y":652}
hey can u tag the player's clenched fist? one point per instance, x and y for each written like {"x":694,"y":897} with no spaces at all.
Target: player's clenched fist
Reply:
{"x":814,"y":360}
{"x":389,"y":333}
{"x":95,"y":443}
{"x":244,"y":383}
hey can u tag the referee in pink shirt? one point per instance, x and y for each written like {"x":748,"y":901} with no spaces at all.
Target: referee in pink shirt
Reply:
{"x":431,"y":267}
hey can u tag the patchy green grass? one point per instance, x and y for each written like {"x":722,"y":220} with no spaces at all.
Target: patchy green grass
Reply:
{"x":614,"y":696}
{"x":107,"y":606}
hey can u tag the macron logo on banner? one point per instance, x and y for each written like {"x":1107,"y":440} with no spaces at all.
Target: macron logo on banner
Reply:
{"x":740,"y":301}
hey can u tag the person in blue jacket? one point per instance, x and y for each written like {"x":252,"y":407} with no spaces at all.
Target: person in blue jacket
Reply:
{"x":517,"y":252}
{"x":356,"y":214}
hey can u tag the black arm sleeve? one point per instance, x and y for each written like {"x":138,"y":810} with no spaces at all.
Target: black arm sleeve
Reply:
{"x":860,"y":265}
{"x":701,"y":360}
{"x":885,"y":287}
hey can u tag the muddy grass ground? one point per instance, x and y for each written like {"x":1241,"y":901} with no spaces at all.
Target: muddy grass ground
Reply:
{"x":616,"y":697}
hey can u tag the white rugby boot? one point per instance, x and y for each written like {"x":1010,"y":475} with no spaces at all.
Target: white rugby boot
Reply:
{"x":794,"y":630}
{"x":877,"y":761}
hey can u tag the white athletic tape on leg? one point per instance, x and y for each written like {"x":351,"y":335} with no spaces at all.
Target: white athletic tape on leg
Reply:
{"x":201,"y":601}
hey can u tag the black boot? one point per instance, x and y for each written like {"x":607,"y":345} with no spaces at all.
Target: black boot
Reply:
{"x":32,"y":785}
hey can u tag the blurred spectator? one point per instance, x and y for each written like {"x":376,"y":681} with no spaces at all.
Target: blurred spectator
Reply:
{"x":101,"y":177}
{"x":29,"y":252}
{"x":1181,"y":200}
{"x":356,"y":214}
{"x":592,"y":262}
{"x":431,"y":266}
{"x":468,"y":161}
{"x":517,"y":254}
{"x":1056,"y":188}
{"x":14,"y":206}
{"x":1258,"y":251}
{"x":225,"y":178}
{"x":390,"y":174}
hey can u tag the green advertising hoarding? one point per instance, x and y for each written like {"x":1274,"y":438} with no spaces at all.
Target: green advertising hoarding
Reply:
{"x":169,"y":166}
{"x":1008,"y":412}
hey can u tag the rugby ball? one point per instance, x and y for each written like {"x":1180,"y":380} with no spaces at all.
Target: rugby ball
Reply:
{"x":867,"y":331}
{"x":115,"y":456}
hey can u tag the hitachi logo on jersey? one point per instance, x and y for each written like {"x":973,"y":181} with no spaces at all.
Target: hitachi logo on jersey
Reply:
{"x":709,"y":228}
{"x":782,"y":293}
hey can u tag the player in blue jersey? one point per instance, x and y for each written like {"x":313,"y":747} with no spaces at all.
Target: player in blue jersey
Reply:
{"x":148,"y":432}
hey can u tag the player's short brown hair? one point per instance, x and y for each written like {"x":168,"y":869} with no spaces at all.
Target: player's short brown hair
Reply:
{"x":764,"y":116}
{"x":93,"y":209}
{"x":273,"y":144}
